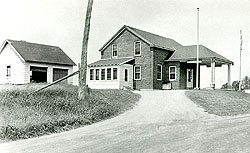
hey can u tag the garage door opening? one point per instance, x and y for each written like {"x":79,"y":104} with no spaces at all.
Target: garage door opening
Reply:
{"x":38,"y":74}
{"x":59,"y":73}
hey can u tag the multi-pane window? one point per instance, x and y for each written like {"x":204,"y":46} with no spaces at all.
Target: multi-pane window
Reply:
{"x":137,"y":48}
{"x":8,"y":70}
{"x":102,"y":74}
{"x":172,"y":73}
{"x":126,"y":75}
{"x":114,"y":73}
{"x":97,"y":74}
{"x":114,"y":50}
{"x":159,"y":72}
{"x":91,"y":77}
{"x":137,"y":73}
{"x":109,"y":74}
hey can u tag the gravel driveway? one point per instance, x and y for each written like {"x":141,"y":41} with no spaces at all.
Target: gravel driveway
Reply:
{"x":163,"y":121}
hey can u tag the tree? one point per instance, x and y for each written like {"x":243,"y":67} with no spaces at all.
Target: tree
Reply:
{"x":225,"y":86}
{"x":235,"y":85}
{"x":83,"y":88}
{"x":246,"y":83}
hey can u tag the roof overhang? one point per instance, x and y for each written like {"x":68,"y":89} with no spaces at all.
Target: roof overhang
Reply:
{"x":12,"y":47}
{"x":119,"y":33}
{"x":203,"y":61}
{"x":111,"y":62}
{"x":165,"y":48}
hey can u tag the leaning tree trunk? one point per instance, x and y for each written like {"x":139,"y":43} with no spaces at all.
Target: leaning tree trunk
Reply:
{"x":83,"y":89}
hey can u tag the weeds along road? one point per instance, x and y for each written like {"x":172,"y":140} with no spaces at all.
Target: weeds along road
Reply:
{"x":163,"y":121}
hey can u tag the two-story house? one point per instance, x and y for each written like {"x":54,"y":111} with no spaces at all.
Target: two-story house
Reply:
{"x":137,"y":59}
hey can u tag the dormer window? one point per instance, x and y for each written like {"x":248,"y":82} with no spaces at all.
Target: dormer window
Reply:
{"x":114,"y":50}
{"x":137,"y":48}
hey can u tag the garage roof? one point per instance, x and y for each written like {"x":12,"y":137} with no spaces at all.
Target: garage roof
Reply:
{"x":33,"y":52}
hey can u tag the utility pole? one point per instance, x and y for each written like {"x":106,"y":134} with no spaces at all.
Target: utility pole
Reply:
{"x":240,"y":82}
{"x":197,"y":52}
{"x":83,"y":88}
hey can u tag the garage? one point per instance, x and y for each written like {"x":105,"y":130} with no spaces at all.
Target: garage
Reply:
{"x":38,"y":74}
{"x":59,"y":73}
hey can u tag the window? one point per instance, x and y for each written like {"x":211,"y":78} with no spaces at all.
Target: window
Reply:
{"x":172,"y":73}
{"x":8,"y":70}
{"x":159,"y":72}
{"x":103,"y":74}
{"x":137,"y":73}
{"x":114,"y":73}
{"x":137,"y":48}
{"x":126,"y":75}
{"x":114,"y":50}
{"x":97,"y":74}
{"x":109,"y":74}
{"x":91,"y":74}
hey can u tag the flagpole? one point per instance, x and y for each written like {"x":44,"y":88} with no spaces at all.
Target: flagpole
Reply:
{"x":240,"y":60}
{"x":197,"y":52}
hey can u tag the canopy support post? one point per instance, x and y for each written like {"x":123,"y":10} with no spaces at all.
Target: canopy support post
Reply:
{"x":212,"y":85}
{"x":229,"y":76}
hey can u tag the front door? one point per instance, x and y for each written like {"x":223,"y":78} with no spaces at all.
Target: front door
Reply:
{"x":190,"y":78}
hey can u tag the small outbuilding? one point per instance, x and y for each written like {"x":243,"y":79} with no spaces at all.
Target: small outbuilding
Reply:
{"x":23,"y":62}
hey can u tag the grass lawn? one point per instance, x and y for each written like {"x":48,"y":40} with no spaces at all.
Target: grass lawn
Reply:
{"x":56,"y":109}
{"x":221,"y":102}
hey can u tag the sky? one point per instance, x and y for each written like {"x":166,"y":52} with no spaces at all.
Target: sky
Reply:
{"x":61,"y":23}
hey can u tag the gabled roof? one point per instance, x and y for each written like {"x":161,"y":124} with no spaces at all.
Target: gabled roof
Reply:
{"x":180,"y":53}
{"x":32,"y":52}
{"x":186,"y":53}
{"x":152,"y":39}
{"x":111,"y":62}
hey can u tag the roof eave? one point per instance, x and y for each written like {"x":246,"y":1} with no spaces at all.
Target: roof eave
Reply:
{"x":15,"y":50}
{"x":44,"y":62}
{"x":224,"y":61}
{"x":118,"y":34}
{"x":165,"y":48}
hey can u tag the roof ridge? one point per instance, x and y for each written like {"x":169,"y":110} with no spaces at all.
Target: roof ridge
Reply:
{"x":40,"y":52}
{"x":152,"y":33}
{"x":115,"y":58}
{"x":32,"y":43}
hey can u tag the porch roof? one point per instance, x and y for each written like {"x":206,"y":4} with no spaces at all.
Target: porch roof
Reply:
{"x":111,"y":62}
{"x":188,"y":53}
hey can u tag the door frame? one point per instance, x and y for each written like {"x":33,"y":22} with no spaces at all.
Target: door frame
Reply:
{"x":190,"y":81}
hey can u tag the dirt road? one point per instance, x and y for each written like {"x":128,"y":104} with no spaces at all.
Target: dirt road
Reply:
{"x":163,"y":121}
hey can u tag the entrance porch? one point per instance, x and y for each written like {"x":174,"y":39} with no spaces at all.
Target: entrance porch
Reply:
{"x":186,"y":59}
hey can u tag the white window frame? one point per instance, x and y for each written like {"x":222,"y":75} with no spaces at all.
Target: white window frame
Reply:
{"x":127,"y":75}
{"x":90,"y":74}
{"x":116,"y":73}
{"x":111,"y":75}
{"x":134,"y":48}
{"x":8,"y":70}
{"x":98,"y":74}
{"x":157,"y":72}
{"x":170,"y":73}
{"x":113,"y":50}
{"x":140,"y":72}
{"x":105,"y":71}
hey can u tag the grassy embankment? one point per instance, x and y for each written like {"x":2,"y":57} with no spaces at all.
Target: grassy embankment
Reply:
{"x":56,"y":109}
{"x":221,"y":102}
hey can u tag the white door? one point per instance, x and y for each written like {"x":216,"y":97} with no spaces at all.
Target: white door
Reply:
{"x":190,"y":78}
